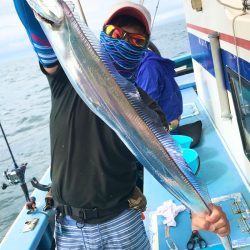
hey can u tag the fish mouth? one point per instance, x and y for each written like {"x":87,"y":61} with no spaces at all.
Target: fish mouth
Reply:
{"x":47,"y":11}
{"x":46,"y":20}
{"x":52,"y":21}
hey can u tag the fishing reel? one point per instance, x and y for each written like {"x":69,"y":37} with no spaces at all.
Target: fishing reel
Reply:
{"x":17,"y":176}
{"x":14,"y":176}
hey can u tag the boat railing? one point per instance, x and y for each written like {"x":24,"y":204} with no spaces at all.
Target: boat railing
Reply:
{"x":183,"y":65}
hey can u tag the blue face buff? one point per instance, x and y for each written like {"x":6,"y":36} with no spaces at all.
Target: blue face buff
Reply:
{"x":125,"y":57}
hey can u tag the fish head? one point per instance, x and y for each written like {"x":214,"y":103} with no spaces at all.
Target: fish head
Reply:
{"x":49,"y":11}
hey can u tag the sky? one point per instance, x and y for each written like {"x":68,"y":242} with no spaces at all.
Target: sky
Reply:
{"x":15,"y":44}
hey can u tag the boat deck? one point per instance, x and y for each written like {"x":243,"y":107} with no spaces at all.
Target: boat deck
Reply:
{"x":217,"y":170}
{"x":40,"y":238}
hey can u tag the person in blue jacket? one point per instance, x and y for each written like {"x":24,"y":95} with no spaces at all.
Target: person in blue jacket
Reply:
{"x":156,"y":77}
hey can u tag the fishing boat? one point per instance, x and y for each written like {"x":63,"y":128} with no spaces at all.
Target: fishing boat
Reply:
{"x":215,"y":85}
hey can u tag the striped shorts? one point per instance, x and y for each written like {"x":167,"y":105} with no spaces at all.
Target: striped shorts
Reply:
{"x":126,"y":231}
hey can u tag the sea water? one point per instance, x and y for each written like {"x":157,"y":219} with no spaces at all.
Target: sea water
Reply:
{"x":24,"y":115}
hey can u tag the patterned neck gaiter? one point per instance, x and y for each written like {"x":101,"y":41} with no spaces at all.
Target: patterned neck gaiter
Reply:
{"x":125,"y":57}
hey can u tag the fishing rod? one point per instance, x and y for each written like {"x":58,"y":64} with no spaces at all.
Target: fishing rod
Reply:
{"x":78,"y":2}
{"x":8,"y":145}
{"x":17,"y":175}
{"x":156,"y":9}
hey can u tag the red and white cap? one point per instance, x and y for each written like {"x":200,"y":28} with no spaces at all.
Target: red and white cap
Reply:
{"x":132,"y":9}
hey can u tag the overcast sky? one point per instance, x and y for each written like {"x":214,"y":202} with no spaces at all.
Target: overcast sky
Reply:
{"x":14,"y":41}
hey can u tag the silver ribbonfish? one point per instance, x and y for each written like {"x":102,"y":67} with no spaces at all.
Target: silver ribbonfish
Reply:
{"x":117,"y":102}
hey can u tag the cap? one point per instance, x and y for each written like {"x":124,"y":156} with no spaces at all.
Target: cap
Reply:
{"x":132,"y":9}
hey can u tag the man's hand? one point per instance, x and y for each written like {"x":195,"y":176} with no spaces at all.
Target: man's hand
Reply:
{"x":173,"y":124}
{"x":215,"y":222}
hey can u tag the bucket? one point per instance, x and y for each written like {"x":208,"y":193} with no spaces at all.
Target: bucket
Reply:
{"x":183,"y":140}
{"x":192,"y":159}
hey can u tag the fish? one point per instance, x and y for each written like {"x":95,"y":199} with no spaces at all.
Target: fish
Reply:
{"x":118,"y":103}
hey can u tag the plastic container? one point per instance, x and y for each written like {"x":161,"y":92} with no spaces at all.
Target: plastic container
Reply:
{"x":183,"y":140}
{"x":192,"y":159}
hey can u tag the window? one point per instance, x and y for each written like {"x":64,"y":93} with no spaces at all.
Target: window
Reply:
{"x":241,"y":99}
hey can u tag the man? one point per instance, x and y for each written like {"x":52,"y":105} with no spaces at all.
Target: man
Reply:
{"x":156,"y":77}
{"x":93,"y":173}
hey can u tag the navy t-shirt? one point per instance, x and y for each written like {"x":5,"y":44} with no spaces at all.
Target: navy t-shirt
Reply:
{"x":90,"y":166}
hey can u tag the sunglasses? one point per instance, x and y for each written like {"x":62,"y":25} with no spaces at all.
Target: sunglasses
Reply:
{"x":118,"y":33}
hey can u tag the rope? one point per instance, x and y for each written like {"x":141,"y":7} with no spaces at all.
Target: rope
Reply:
{"x":229,"y":6}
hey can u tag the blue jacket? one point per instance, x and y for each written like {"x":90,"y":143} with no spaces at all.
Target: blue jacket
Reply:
{"x":156,"y":77}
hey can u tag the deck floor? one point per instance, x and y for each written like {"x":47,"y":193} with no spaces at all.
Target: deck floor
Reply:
{"x":217,"y":171}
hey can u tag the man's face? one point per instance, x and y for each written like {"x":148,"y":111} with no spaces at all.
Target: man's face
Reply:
{"x":134,"y":34}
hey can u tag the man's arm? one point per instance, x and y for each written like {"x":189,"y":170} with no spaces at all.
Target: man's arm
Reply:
{"x":38,"y":39}
{"x":52,"y":70}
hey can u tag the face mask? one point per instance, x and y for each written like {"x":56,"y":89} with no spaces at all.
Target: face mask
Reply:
{"x":125,"y":57}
